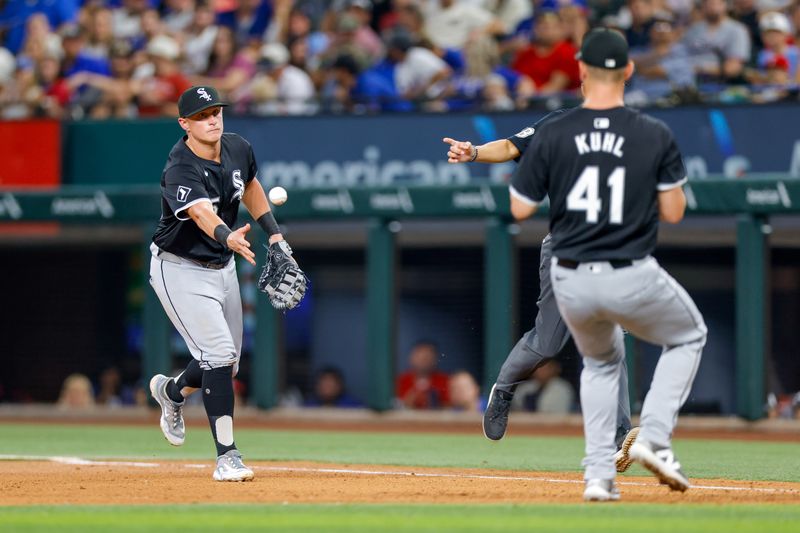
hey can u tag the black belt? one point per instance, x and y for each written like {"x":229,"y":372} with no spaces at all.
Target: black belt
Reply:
{"x":615,"y":263}
{"x":212,"y":266}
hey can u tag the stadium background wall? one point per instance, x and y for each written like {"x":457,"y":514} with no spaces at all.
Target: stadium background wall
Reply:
{"x":410,"y":262}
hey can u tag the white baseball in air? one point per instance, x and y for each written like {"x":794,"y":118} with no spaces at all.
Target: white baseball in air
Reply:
{"x":277,"y":195}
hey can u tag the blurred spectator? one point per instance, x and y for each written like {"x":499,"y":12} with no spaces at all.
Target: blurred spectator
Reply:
{"x":496,"y":96}
{"x":638,"y":34}
{"x":117,"y":90}
{"x":330,"y":390}
{"x":76,"y":66}
{"x":127,"y":19}
{"x":101,"y":33}
{"x":465,"y":393}
{"x":158,"y":93}
{"x":40,"y":41}
{"x":109,"y":386}
{"x":229,"y":69}
{"x":75,"y":59}
{"x":499,"y":87}
{"x":16,"y":13}
{"x":453,"y":23}
{"x":55,"y":91}
{"x":359,"y":15}
{"x":410,"y":20}
{"x":179,"y":15}
{"x":76,"y":393}
{"x":720,"y":45}
{"x":550,"y":59}
{"x":354,"y":39}
{"x":198,"y":40}
{"x":422,"y":386}
{"x":664,"y":67}
{"x":419,"y":73}
{"x":509,"y":13}
{"x":745,"y":11}
{"x":783,"y":406}
{"x":776,"y":31}
{"x":280,"y":88}
{"x":248,"y":21}
{"x":574,"y":17}
{"x":546,"y":392}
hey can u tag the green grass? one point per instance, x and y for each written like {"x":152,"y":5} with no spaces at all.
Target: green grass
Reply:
{"x":701,"y":458}
{"x":616,"y":518}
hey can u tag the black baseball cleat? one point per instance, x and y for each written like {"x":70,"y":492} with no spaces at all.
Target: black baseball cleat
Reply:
{"x":495,"y":418}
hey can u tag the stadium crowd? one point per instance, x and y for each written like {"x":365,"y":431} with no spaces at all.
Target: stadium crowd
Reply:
{"x":132,"y":58}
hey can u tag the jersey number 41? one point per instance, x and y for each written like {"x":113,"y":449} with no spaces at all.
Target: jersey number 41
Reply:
{"x":585,"y":194}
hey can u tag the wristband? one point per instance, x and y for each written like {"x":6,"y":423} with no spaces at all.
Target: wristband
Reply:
{"x":474,"y":155}
{"x":268,"y":224}
{"x":221,"y":233}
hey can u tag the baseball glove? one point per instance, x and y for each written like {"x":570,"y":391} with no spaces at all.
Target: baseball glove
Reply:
{"x":281,"y":279}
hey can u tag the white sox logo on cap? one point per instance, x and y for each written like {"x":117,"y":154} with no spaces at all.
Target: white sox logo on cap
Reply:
{"x":203,"y":94}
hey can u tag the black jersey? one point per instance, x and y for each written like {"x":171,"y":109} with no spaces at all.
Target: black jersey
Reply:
{"x":188,"y":179}
{"x":602,"y":170}
{"x":522,"y":139}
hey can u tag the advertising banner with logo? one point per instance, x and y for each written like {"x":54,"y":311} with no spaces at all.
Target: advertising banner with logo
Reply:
{"x":399,"y":150}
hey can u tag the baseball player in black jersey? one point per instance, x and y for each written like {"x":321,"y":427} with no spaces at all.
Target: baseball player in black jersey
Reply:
{"x":550,"y":333}
{"x":611,"y":173}
{"x":192,"y":270}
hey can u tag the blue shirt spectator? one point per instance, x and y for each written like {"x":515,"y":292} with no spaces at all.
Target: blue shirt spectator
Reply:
{"x":248,"y":22}
{"x":16,"y":13}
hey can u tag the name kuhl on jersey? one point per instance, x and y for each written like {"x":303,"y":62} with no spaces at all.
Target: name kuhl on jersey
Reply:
{"x":602,"y":170}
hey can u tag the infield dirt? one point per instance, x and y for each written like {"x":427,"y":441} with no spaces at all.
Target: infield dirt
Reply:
{"x":161,"y":482}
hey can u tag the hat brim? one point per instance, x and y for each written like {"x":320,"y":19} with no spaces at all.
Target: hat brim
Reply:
{"x":204,"y":107}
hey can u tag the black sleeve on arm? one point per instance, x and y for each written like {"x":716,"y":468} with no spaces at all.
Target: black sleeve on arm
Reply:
{"x":529,"y":182}
{"x":268,"y":224}
{"x":523,"y":139}
{"x":184,"y":187}
{"x":671,"y":171}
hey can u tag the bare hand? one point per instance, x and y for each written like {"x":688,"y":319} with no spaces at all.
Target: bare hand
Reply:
{"x":460,"y":151}
{"x":239,"y":244}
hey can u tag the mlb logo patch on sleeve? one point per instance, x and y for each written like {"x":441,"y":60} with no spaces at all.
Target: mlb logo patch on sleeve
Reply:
{"x":183,"y":193}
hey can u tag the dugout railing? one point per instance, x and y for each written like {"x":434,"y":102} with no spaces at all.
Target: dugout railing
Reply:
{"x":752,"y":201}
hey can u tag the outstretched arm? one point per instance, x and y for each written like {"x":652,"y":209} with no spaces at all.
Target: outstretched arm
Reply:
{"x":498,"y":151}
{"x":202,"y":213}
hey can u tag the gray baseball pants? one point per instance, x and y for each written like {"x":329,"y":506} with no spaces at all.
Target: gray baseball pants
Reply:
{"x":546,"y":339}
{"x":204,"y":305}
{"x":597,"y":301}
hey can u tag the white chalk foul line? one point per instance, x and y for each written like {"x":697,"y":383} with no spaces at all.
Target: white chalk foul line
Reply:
{"x":76,"y":461}
{"x":360,"y":472}
{"x":505,"y":478}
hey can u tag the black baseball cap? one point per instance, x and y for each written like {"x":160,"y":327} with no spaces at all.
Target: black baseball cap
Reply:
{"x":198,"y":98}
{"x":604,"y":48}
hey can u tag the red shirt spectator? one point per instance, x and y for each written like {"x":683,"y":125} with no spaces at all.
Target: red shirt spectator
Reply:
{"x":422,"y":386}
{"x":550,"y":59}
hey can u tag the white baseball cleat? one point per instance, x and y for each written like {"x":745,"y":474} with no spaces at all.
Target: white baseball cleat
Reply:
{"x":661,"y":461}
{"x":231,"y":468}
{"x":601,"y":490}
{"x":622,"y":458}
{"x":172,"y":425}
